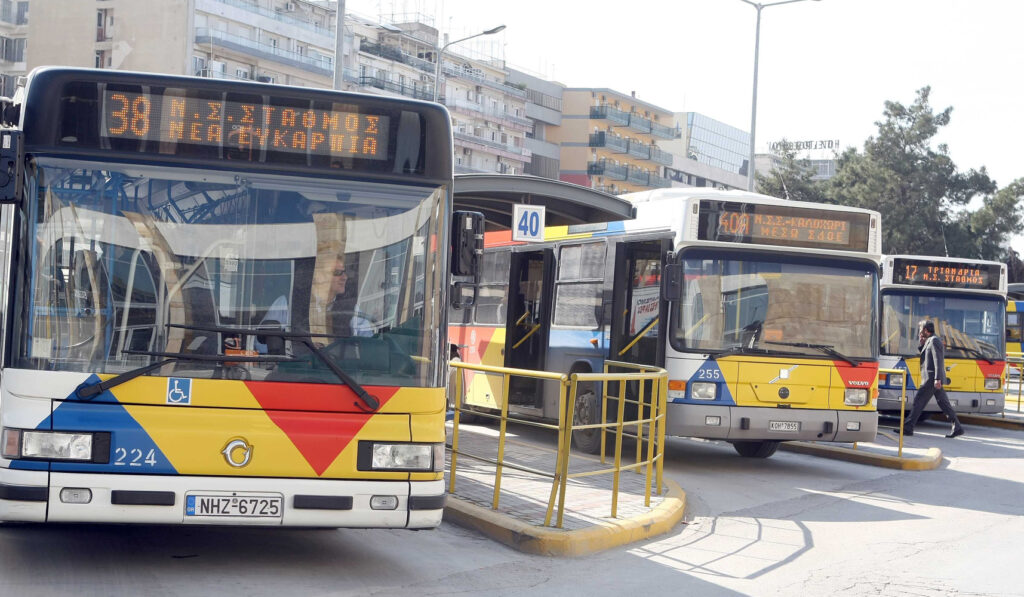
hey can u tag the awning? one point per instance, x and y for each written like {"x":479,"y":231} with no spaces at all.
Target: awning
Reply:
{"x":565,"y":203}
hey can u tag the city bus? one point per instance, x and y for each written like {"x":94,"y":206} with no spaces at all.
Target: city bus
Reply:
{"x":1014,"y":320}
{"x":966,"y":300}
{"x":223,"y":303}
{"x":763,"y":311}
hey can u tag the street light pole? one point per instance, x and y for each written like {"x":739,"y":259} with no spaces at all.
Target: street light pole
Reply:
{"x":440,"y":54}
{"x":753,"y":100}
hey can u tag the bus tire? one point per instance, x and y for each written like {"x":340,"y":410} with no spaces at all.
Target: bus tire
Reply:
{"x":756,"y":449}
{"x":588,"y":406}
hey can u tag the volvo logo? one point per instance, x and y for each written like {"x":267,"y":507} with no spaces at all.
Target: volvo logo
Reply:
{"x":783,"y":393}
{"x":237,"y":452}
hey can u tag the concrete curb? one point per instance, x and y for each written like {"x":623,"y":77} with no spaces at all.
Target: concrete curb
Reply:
{"x":547,"y":541}
{"x":990,"y":421}
{"x":928,"y":462}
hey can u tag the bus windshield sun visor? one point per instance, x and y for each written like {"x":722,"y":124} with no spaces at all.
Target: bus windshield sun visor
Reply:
{"x":968,"y":349}
{"x":370,"y":403}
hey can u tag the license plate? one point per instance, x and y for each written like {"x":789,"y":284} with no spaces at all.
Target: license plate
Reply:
{"x":783,"y":426}
{"x":234,"y":506}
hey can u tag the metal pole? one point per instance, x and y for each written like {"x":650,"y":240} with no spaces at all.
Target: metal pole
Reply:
{"x":440,"y":55}
{"x":753,"y":102}
{"x":339,"y":46}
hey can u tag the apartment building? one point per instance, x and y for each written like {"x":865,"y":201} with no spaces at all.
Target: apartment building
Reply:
{"x":544,"y":110}
{"x":608,"y":141}
{"x":13,"y":38}
{"x":707,"y":153}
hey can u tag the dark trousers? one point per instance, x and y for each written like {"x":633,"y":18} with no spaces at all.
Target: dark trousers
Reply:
{"x":924,"y":394}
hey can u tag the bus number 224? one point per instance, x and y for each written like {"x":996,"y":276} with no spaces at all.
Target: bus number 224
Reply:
{"x":134,"y":457}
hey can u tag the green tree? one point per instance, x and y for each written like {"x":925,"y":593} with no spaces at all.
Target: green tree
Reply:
{"x":928,"y":207}
{"x":790,"y":178}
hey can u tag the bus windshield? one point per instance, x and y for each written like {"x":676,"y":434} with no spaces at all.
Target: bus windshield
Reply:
{"x":130,"y":264}
{"x":775,"y":304}
{"x":970,"y":326}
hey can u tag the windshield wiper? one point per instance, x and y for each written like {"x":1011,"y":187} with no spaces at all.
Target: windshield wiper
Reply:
{"x":370,"y":403}
{"x":825,"y":348}
{"x":737,"y":349}
{"x":970,"y":350}
{"x":90,"y":392}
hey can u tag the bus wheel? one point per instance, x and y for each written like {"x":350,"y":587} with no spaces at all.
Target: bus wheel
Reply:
{"x":588,"y":407}
{"x":762,"y":449}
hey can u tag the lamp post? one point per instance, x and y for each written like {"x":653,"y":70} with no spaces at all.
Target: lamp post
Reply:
{"x":753,"y":101}
{"x":440,"y":54}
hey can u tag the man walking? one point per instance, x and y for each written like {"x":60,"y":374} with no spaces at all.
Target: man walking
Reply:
{"x":933,"y":374}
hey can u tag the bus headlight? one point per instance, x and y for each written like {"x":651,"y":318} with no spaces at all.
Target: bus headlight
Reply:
{"x":855,"y":397}
{"x":896,"y":379}
{"x":47,"y":445}
{"x":380,"y":456}
{"x":992,"y":383}
{"x":703,"y":390}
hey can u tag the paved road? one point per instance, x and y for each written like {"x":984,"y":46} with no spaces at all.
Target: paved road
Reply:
{"x":792,"y":524}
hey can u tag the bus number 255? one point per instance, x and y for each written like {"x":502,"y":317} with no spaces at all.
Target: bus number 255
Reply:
{"x":709,"y":373}
{"x":134,"y":457}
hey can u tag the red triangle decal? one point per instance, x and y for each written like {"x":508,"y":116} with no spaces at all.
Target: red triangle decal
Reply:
{"x":320,"y":420}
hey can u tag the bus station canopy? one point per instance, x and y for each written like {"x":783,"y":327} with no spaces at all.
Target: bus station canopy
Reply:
{"x":565,"y":203}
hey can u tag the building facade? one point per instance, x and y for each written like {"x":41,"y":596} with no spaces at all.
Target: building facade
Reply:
{"x":13,"y":39}
{"x":607,"y":141}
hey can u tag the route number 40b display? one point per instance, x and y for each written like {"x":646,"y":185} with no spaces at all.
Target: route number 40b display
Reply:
{"x":528,"y":223}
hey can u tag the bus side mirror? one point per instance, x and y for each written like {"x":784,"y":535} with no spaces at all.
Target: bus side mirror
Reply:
{"x":672,"y":282}
{"x":467,"y":244}
{"x":467,"y":257}
{"x":12,"y":160}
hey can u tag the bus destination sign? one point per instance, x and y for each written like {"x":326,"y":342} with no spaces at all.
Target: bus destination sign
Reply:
{"x":763,"y":224}
{"x":173,"y":118}
{"x":946,"y":274}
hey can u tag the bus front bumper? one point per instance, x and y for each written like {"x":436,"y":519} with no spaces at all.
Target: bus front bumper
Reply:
{"x":751,"y":423}
{"x":27,"y":496}
{"x":963,"y":402}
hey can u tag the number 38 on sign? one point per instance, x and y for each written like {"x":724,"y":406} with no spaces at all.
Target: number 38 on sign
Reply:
{"x":528,"y":223}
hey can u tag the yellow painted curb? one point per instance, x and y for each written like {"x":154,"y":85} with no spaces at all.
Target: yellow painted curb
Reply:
{"x":929,"y":461}
{"x":991,"y":421}
{"x":547,"y":541}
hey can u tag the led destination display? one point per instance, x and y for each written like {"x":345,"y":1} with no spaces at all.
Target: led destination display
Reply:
{"x":173,"y":118}
{"x":756,"y":223}
{"x":945,"y":274}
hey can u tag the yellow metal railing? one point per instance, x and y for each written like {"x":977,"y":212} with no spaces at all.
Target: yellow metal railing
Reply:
{"x":903,"y":399}
{"x":1015,"y":360}
{"x":651,"y":407}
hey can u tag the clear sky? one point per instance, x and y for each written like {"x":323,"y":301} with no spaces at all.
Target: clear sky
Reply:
{"x":826,"y":66}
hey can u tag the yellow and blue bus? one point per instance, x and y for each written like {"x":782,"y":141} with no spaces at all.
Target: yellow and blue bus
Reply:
{"x":763,"y":311}
{"x":223,"y":303}
{"x":966,"y":300}
{"x":1014,"y":318}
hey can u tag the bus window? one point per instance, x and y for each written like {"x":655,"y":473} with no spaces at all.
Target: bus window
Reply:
{"x":492,"y":295}
{"x":580,"y":284}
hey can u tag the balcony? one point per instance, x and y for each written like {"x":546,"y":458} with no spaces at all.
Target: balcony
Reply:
{"x":504,"y":150}
{"x":659,"y":182}
{"x":665,"y":132}
{"x":502,"y":86}
{"x":662,"y":157}
{"x":249,"y":47}
{"x":614,"y":115}
{"x":516,"y":122}
{"x":423,"y":93}
{"x":639,"y":177}
{"x":639,"y":123}
{"x":277,"y":16}
{"x":396,"y":54}
{"x":612,"y":142}
{"x":639,"y":150}
{"x":603,"y":168}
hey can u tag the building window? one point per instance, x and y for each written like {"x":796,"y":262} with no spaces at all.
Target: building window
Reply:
{"x":198,"y":65}
{"x":242,"y":73}
{"x":99,"y":60}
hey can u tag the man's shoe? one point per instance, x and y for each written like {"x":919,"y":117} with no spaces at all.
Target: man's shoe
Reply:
{"x":956,"y":432}
{"x":908,"y":431}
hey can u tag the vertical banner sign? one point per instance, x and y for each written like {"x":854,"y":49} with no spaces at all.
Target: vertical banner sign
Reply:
{"x":528,"y":223}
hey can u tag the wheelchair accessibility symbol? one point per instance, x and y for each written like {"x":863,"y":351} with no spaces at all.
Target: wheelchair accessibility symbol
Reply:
{"x":179,"y":390}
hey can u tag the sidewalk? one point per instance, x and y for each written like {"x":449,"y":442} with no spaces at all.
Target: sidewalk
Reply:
{"x":883,"y":452}
{"x":587,"y":525}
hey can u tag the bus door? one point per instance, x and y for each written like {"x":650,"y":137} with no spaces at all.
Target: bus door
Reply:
{"x":638,"y":313}
{"x":528,"y":324}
